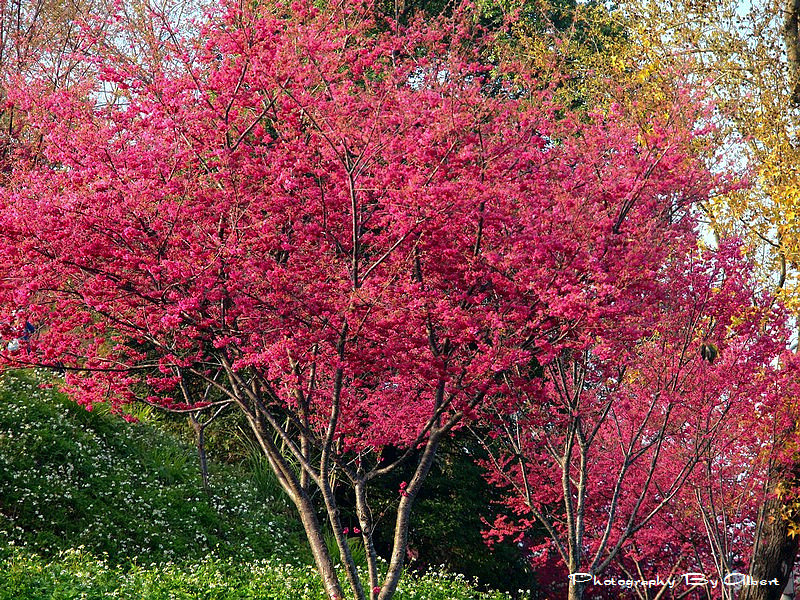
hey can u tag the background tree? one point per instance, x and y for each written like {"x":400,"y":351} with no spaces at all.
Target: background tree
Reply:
{"x":740,"y":54}
{"x":628,"y":416}
{"x":41,"y":40}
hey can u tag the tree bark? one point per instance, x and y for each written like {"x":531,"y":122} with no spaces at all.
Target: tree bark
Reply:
{"x":200,"y":441}
{"x":319,"y":550}
{"x":365,"y":522}
{"x":773,"y":553}
{"x":403,"y":521}
{"x":575,"y":591}
{"x":791,"y":41}
{"x":305,"y":506}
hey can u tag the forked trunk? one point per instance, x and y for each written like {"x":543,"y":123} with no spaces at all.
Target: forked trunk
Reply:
{"x":305,"y":507}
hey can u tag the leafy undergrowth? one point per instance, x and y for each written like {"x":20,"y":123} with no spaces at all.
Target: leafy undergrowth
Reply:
{"x":70,"y":478}
{"x":92,"y":507}
{"x":77,"y":574}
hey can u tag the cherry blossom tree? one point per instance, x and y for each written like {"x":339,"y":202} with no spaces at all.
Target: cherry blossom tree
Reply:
{"x":645,"y":449}
{"x":336,"y":229}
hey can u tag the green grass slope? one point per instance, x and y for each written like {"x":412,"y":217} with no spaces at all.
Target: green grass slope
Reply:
{"x":70,"y":478}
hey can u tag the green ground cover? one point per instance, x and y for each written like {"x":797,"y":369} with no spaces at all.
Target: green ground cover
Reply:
{"x":94,"y":507}
{"x":75,"y":574}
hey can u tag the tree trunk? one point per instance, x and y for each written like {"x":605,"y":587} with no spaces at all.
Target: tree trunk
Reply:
{"x":773,"y":554}
{"x":200,"y":441}
{"x":575,"y":590}
{"x":791,"y":41}
{"x":400,"y":543}
{"x":302,"y":501}
{"x":319,"y":550}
